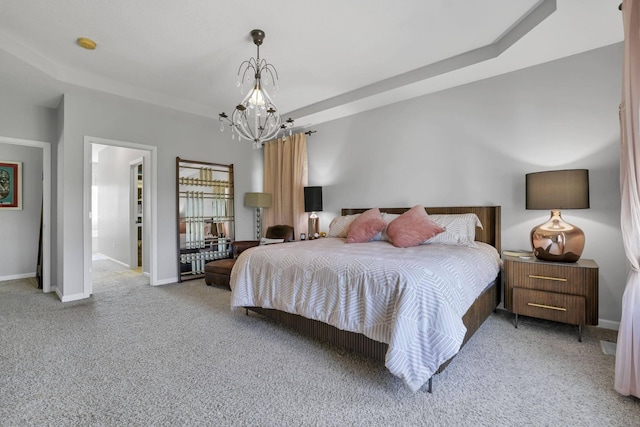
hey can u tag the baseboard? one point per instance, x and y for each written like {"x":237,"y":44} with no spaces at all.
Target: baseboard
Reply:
{"x":114,"y":260}
{"x":18,"y":276}
{"x":166,"y":281}
{"x":608,"y":324}
{"x":69,"y":298}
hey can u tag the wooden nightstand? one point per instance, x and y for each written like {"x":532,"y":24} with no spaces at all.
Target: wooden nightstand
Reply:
{"x":561,"y":292}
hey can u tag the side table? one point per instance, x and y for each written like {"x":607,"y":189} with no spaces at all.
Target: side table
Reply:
{"x":560,"y":292}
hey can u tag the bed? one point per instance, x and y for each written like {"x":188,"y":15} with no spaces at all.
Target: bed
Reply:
{"x":376,"y":299}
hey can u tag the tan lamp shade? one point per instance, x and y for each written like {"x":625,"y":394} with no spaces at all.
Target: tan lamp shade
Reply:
{"x":257,"y":200}
{"x":557,"y":240}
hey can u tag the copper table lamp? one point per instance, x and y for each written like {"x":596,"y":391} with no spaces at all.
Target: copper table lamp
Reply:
{"x":557,"y":240}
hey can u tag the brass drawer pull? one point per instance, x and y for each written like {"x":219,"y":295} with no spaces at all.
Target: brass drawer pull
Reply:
{"x":557,"y":279}
{"x":550,"y":307}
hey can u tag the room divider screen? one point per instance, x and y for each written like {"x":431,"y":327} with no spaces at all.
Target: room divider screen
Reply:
{"x":205,"y":215}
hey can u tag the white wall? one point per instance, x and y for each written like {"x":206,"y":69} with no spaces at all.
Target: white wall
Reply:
{"x":467,"y":145}
{"x":34,"y":123}
{"x":18,"y":120}
{"x":114,"y":184}
{"x":473,"y":145}
{"x":90,"y":113}
{"x":57,"y":191}
{"x":20,"y":229}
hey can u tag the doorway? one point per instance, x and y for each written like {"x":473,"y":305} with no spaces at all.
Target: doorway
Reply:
{"x":136,"y":258}
{"x":116,"y":213}
{"x":46,"y":204}
{"x":117,"y":217}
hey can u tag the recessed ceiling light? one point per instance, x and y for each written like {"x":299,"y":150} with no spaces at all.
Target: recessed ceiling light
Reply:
{"x":86,"y":43}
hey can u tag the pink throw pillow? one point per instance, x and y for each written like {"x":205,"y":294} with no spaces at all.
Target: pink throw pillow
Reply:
{"x":412,"y":228}
{"x":366,"y":226}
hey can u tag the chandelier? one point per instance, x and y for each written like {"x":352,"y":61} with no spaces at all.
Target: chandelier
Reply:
{"x":256,"y":118}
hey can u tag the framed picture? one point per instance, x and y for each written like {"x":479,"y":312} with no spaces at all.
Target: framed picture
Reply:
{"x":10,"y":185}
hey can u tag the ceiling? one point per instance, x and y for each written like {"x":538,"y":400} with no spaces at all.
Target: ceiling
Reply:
{"x":334,"y":57}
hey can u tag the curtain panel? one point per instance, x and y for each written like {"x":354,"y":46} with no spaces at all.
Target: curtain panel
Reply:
{"x":627,"y":371}
{"x":285,"y":176}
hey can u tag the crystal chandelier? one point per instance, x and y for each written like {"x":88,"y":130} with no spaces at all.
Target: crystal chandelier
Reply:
{"x":256,"y":118}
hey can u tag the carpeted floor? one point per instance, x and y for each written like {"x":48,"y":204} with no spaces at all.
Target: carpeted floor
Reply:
{"x":177,"y":355}
{"x":107,"y":275}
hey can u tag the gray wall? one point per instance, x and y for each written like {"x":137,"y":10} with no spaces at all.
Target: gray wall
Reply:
{"x":18,"y":120}
{"x":467,"y":145}
{"x":472,"y":145}
{"x":113,"y":180}
{"x":90,"y":113}
{"x":20,"y":229}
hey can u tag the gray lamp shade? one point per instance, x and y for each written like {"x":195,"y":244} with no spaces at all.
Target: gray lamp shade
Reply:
{"x":257,"y":200}
{"x":561,"y":189}
{"x":312,"y":199}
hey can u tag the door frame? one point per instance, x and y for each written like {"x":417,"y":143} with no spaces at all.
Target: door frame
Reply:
{"x":133,"y":205}
{"x":151,"y":204}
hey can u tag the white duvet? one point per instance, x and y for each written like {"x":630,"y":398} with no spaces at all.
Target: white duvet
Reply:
{"x":410,"y":298}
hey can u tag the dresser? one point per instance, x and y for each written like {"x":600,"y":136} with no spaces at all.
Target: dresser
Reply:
{"x":560,"y":292}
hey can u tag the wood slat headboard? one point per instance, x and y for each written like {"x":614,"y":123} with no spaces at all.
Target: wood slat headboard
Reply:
{"x":489,"y":217}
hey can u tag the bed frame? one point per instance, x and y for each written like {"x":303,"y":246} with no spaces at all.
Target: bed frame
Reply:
{"x":484,"y":305}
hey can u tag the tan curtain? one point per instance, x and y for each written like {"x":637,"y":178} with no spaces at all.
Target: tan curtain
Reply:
{"x":627,"y":375}
{"x":285,"y":176}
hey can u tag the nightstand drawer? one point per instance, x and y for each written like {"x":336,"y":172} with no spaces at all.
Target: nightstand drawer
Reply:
{"x":549,"y":305}
{"x":548,"y":277}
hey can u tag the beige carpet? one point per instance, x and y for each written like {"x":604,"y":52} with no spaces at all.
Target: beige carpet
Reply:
{"x":109,"y":275}
{"x":177,"y":355}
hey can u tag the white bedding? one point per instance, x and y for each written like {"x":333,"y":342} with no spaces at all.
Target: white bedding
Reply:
{"x":410,"y":298}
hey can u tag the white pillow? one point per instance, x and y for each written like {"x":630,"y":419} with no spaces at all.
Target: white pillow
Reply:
{"x":387,"y":217}
{"x":339,"y":226}
{"x":266,"y":241}
{"x":460,"y":229}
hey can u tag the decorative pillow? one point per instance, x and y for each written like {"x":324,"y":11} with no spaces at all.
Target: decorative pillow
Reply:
{"x":412,"y":228}
{"x":339,"y":226}
{"x":366,"y":226}
{"x":460,"y":229}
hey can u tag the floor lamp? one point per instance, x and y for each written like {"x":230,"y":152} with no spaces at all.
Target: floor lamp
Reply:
{"x":258,"y":201}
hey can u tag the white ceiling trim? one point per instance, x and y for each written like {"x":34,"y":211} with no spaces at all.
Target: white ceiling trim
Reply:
{"x":390,"y":90}
{"x":28,"y":55}
{"x":72,"y":76}
{"x":352,"y":102}
{"x":39,"y":71}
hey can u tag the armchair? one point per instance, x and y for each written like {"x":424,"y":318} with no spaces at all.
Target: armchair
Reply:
{"x":218,"y":272}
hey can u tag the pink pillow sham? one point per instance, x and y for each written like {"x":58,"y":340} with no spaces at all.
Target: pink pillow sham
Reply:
{"x":366,"y":226}
{"x":412,"y":228}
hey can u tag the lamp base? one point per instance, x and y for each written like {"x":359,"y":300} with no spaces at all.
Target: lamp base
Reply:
{"x":314,"y":227}
{"x":556,"y":240}
{"x":258,"y":223}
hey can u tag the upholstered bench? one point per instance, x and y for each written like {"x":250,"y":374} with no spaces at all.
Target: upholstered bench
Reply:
{"x":218,"y":272}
